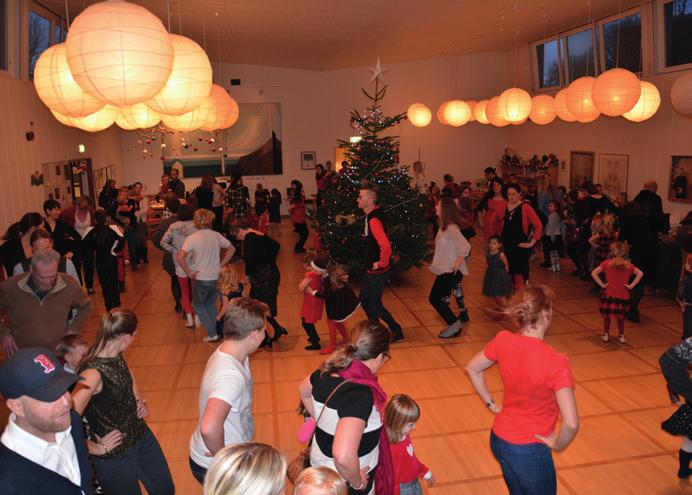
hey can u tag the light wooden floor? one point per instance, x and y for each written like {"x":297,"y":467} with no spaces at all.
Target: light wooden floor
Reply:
{"x":621,"y":395}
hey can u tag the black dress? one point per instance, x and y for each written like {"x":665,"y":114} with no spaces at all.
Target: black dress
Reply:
{"x":259,"y":254}
{"x":512,"y":235}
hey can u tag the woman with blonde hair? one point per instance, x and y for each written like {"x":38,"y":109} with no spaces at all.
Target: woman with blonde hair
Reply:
{"x":123,"y":448}
{"x":246,"y":469}
{"x":319,"y":481}
{"x":538,"y":387}
{"x":347,"y":402}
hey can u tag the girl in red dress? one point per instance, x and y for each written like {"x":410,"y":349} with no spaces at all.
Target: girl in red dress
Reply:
{"x":311,"y":312}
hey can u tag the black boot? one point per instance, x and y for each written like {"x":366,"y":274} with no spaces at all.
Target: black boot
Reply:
{"x":684,"y":457}
{"x":267,"y":342}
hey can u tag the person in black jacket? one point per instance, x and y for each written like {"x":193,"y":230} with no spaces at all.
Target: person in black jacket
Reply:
{"x":16,"y":247}
{"x":42,"y":449}
{"x":105,"y":243}
{"x":108,"y":197}
{"x":635,"y":230}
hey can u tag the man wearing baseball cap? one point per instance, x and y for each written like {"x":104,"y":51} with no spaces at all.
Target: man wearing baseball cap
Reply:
{"x":42,"y":450}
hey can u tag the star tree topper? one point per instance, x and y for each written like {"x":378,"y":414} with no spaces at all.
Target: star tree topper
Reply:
{"x":377,"y":72}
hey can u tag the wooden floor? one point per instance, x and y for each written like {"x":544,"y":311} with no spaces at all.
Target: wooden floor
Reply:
{"x":620,"y":392}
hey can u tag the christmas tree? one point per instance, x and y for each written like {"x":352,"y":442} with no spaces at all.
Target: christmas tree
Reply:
{"x":374,"y":159}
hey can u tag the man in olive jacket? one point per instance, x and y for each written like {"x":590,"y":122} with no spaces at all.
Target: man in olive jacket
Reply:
{"x":39,"y":305}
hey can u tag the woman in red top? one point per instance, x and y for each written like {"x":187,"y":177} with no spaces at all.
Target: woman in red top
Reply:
{"x":493,"y":205}
{"x":538,"y":387}
{"x":615,"y":298}
{"x":298,"y":213}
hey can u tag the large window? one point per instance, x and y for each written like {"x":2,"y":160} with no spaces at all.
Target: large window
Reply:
{"x":3,"y":35}
{"x":580,"y":55}
{"x":45,"y":29}
{"x":548,"y":60}
{"x":622,"y":43}
{"x":677,"y":27}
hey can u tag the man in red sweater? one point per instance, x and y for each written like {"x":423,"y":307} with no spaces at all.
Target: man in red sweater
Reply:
{"x":378,"y":259}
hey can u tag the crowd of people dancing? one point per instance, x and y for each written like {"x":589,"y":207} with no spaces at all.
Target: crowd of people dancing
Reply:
{"x":78,"y":415}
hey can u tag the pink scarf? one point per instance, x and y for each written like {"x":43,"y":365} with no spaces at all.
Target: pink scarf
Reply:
{"x":357,"y":372}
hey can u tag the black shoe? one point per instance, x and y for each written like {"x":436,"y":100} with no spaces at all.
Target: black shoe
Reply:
{"x":315,"y":346}
{"x":684,"y":458}
{"x":277,"y":335}
{"x":267,"y":342}
{"x":464,"y":316}
{"x":576,"y":273}
{"x":397,"y":337}
{"x":178,"y":308}
{"x":91,"y":291}
{"x":634,"y":317}
{"x":134,"y":267}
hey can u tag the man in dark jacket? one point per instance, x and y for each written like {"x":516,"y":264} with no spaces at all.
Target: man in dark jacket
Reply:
{"x":652,"y":209}
{"x":172,"y":205}
{"x":176,"y":185}
{"x":42,"y":449}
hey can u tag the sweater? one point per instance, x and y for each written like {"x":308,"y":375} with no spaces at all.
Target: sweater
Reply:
{"x":529,"y":219}
{"x":450,"y":244}
{"x":36,"y":323}
{"x":19,"y":475}
{"x":407,"y":467}
{"x":379,"y":247}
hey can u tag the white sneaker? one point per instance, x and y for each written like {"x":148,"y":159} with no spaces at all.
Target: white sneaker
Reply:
{"x":213,"y":338}
{"x":198,"y":323}
{"x":190,"y":322}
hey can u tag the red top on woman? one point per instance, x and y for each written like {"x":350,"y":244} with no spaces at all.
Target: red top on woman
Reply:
{"x":532,"y":372}
{"x":298,"y":212}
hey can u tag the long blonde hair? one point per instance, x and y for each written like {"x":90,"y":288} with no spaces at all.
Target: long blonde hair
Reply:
{"x":113,"y":324}
{"x":246,"y":469}
{"x":400,"y":411}
{"x":319,"y":480}
{"x":369,"y":339}
{"x":229,"y":281}
{"x":618,"y":252}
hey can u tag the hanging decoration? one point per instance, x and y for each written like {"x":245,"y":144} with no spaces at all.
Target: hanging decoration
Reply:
{"x":419,"y":115}
{"x":561,"y":107}
{"x":140,"y":115}
{"x":647,"y":105}
{"x":457,"y":113}
{"x":579,"y":100}
{"x":472,"y":106}
{"x":543,"y":110}
{"x":493,"y":113}
{"x":681,"y":95}
{"x":514,"y":105}
{"x":615,"y":92}
{"x":440,"y":114}
{"x":97,"y":121}
{"x":223,"y":110}
{"x":479,"y":112}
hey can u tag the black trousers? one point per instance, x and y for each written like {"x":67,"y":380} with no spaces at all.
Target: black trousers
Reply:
{"x":107,"y":272}
{"x":440,"y":295}
{"x":311,"y":331}
{"x":302,"y":231}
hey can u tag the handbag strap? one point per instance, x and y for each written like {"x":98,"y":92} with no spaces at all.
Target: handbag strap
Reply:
{"x":317,"y":421}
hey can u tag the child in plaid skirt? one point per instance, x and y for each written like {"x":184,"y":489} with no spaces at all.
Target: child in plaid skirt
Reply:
{"x":615,"y":298}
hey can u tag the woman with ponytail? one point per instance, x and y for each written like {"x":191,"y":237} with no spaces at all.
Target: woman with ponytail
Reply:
{"x":538,"y":387}
{"x":123,"y":448}
{"x":349,"y":436}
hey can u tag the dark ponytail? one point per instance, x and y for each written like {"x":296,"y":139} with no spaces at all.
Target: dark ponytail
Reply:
{"x":369,"y":339}
{"x":18,"y":229}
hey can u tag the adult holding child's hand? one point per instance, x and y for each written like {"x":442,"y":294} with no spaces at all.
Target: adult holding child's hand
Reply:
{"x":538,"y":387}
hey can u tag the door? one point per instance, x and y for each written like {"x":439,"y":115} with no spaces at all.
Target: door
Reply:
{"x":580,"y":168}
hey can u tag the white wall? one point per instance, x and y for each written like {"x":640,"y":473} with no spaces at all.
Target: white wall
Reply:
{"x":19,"y":158}
{"x":316,"y":106}
{"x":649,"y":144}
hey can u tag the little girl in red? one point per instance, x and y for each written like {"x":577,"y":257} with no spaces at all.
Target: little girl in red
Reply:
{"x":400,"y":419}
{"x":311,"y":311}
{"x":615,"y":298}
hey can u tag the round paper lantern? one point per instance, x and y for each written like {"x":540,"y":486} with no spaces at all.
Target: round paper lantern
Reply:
{"x":472,"y":105}
{"x":189,"y":121}
{"x":140,"y":115}
{"x":520,"y":122}
{"x":97,"y":121}
{"x":492,"y":111}
{"x":681,"y":95}
{"x":419,"y":115}
{"x":63,"y":119}
{"x":124,"y":124}
{"x":457,"y":113}
{"x":119,"y":52}
{"x":579,"y":100}
{"x":561,"y":106}
{"x":616,"y":91}
{"x":479,"y":112}
{"x":515,"y":104}
{"x":440,"y":114}
{"x":223,"y":110}
{"x":57,"y":88}
{"x":543,"y":110}
{"x":646,"y":107}
{"x":190,"y":80}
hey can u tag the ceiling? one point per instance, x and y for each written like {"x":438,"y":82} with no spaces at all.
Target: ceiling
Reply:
{"x":331,"y":34}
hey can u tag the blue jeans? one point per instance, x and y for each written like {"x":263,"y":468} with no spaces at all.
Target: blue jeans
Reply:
{"x":412,"y":488}
{"x":528,"y":469}
{"x":371,"y":290}
{"x":204,"y":297}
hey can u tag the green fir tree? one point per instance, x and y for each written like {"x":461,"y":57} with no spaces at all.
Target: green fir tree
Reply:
{"x":373,"y":159}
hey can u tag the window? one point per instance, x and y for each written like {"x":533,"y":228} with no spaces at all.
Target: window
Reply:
{"x":622,"y":43}
{"x":45,"y":29}
{"x":3,"y":35}
{"x":677,"y":25}
{"x":548,"y":59}
{"x":580,"y":55}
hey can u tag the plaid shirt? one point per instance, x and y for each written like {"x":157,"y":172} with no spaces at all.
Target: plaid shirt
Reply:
{"x":238,"y":199}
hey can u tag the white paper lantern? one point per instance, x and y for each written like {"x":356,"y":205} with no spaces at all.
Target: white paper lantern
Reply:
{"x":457,"y":113}
{"x":492,"y":111}
{"x":223,"y":110}
{"x":190,"y":80}
{"x":580,"y":101}
{"x":119,"y":52}
{"x":479,"y":112}
{"x":63,"y":119}
{"x":124,"y":124}
{"x":646,"y":107}
{"x":616,"y":91}
{"x":189,"y":121}
{"x":561,"y":107}
{"x":440,"y":114}
{"x":140,"y":115}
{"x":57,"y":88}
{"x":681,"y":95}
{"x":543,"y":110}
{"x":97,"y":121}
{"x":472,"y":105}
{"x":419,"y":115}
{"x":515,"y":105}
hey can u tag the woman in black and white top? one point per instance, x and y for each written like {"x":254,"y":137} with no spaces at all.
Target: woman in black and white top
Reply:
{"x":348,"y":436}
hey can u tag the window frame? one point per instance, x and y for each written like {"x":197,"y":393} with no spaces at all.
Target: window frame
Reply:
{"x":535,"y":76}
{"x":660,"y":40}
{"x":565,"y":36}
{"x":600,"y":24}
{"x":54,"y":18}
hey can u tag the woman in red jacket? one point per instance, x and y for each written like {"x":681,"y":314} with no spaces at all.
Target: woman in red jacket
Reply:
{"x":521,"y":229}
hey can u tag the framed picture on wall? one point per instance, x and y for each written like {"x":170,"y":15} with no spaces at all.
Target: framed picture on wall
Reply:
{"x":680,"y":172}
{"x":308,"y":160}
{"x":612,"y":173}
{"x":581,"y":168}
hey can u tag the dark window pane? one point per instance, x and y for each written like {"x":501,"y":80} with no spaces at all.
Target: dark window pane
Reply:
{"x":56,"y":37}
{"x":548,"y":64}
{"x":622,"y":40}
{"x":678,"y":32}
{"x":39,"y":39}
{"x":580,"y":54}
{"x":3,"y":36}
